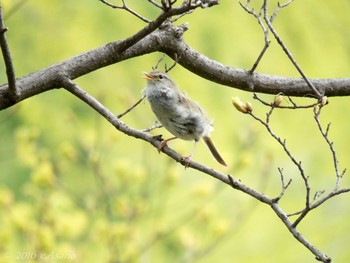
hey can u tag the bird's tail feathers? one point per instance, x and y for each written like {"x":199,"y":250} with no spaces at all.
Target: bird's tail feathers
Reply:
{"x":213,"y":150}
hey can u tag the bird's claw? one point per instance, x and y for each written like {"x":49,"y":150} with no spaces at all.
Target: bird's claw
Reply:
{"x":162,"y":145}
{"x":185,"y":160}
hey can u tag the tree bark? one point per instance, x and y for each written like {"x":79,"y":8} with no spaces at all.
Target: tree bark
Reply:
{"x":168,"y":39}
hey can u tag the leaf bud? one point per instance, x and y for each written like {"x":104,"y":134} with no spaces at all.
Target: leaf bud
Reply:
{"x":278,"y":100}
{"x":248,"y":106}
{"x":324,"y":100}
{"x":239,"y":105}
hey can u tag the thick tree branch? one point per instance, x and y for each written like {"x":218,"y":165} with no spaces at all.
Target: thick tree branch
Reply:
{"x":168,"y":40}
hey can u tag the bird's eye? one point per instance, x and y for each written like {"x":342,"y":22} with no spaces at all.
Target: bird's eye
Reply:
{"x":160,"y":76}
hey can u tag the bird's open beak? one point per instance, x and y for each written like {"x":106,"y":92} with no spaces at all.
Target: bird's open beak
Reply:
{"x":148,"y":76}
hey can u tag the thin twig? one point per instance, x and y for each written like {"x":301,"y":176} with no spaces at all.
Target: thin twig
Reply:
{"x":339,"y":175}
{"x":157,"y":23}
{"x":293,"y":107}
{"x":279,"y":7}
{"x":265,"y":30}
{"x":292,"y":101}
{"x":10,"y":71}
{"x":132,"y":107}
{"x":174,"y":19}
{"x":298,"y":236}
{"x":318,"y":194}
{"x":284,"y":185}
{"x":159,"y":61}
{"x":173,"y":65}
{"x":286,"y":50}
{"x":125,"y":7}
{"x":295,"y":213}
{"x":155,"y":3}
{"x":156,"y":125}
{"x":329,"y":196}
{"x":297,"y":163}
{"x":166,"y":69}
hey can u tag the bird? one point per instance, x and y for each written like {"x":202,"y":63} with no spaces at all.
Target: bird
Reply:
{"x":181,"y":116}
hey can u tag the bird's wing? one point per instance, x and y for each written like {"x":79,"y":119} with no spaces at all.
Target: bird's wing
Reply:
{"x":190,"y":104}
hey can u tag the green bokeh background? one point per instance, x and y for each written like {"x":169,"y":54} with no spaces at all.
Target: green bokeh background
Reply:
{"x":73,"y":189}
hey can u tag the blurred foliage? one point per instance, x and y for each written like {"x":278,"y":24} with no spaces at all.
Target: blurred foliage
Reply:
{"x":73,"y":189}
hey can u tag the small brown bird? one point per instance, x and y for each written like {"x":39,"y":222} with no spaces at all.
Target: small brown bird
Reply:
{"x":182,"y":117}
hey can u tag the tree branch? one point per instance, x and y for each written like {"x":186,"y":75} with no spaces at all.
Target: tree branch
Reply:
{"x":168,"y":40}
{"x":154,"y":140}
{"x":297,"y":163}
{"x":70,"y":86}
{"x":268,"y":20}
{"x":10,"y":71}
{"x":125,"y":7}
{"x":298,"y":236}
{"x":339,"y":176}
{"x":265,"y":29}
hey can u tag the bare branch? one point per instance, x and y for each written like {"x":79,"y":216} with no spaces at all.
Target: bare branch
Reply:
{"x":308,"y":204}
{"x":158,"y":23}
{"x":297,"y":163}
{"x":319,"y":202}
{"x":265,"y":30}
{"x":10,"y":71}
{"x":158,"y":62}
{"x":279,"y":7}
{"x":317,"y":112}
{"x":174,"y":19}
{"x":206,"y":3}
{"x":166,"y":5}
{"x":286,"y":50}
{"x":318,"y":194}
{"x":167,"y":40}
{"x":70,"y":86}
{"x":155,"y":3}
{"x":166,"y":69}
{"x":125,"y":7}
{"x":339,"y":175}
{"x":132,"y":107}
{"x":294,"y":106}
{"x":330,"y":195}
{"x":284,"y":185}
{"x":298,"y":236}
{"x":227,"y":179}
{"x":156,"y":125}
{"x":173,"y":65}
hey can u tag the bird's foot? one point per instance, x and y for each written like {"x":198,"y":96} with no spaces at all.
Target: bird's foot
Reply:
{"x":185,"y":160}
{"x":162,"y":145}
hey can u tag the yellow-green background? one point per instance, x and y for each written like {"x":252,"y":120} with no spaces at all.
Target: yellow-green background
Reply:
{"x":73,"y":189}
